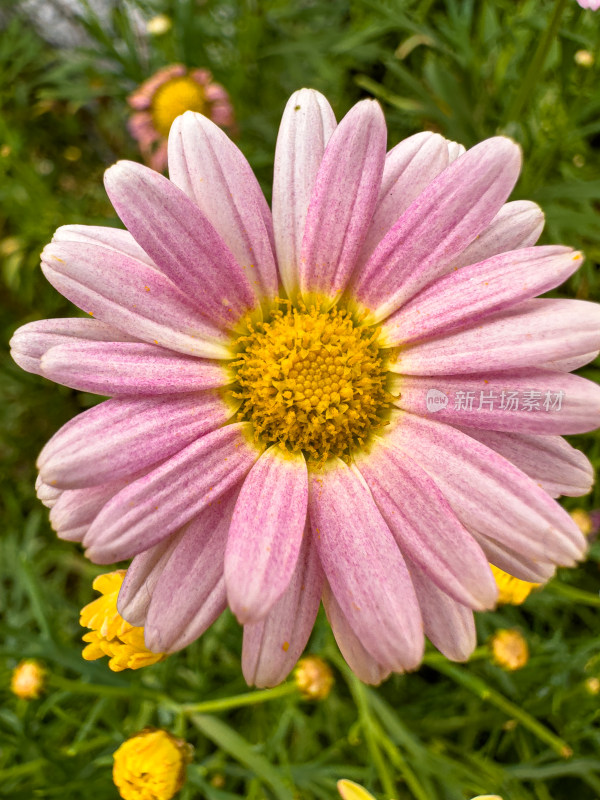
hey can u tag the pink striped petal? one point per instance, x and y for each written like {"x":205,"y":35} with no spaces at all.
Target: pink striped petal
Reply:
{"x":572,"y":363}
{"x":549,"y":460}
{"x":448,"y":625}
{"x":211,"y":170}
{"x":76,"y":509}
{"x":517,"y":224}
{"x":469,"y":295}
{"x":438,"y":225}
{"x":306,"y":127}
{"x":515,"y":563}
{"x":266,"y":533}
{"x":409,"y":168}
{"x":131,"y":296}
{"x":46,"y":494}
{"x":362,"y":664}
{"x":343,"y":200}
{"x":523,"y":401}
{"x":455,"y":150}
{"x":157,"y":505}
{"x":273,"y":645}
{"x":181,"y":241}
{"x":122,"y":368}
{"x":190,"y":592}
{"x":114,"y":238}
{"x":489,"y":494}
{"x":141,"y":579}
{"x":529,"y":334}
{"x":117,"y":438}
{"x":365,"y":568}
{"x":31,"y":341}
{"x":425,"y":526}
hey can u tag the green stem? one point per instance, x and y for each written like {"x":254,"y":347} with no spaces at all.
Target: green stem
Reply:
{"x":249,"y":699}
{"x":99,"y":689}
{"x":369,"y":730}
{"x":402,"y":766}
{"x":536,"y":65}
{"x":573,"y":593}
{"x":484,"y":692}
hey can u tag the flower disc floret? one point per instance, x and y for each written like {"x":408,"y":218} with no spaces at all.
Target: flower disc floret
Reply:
{"x":312,"y":381}
{"x":174,"y":98}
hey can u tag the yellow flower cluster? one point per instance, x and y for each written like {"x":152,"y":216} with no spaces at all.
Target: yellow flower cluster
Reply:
{"x":110,"y":635}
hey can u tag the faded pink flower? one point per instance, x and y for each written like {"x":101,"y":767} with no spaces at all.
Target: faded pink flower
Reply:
{"x":593,"y":5}
{"x":162,"y":98}
{"x":355,"y":398}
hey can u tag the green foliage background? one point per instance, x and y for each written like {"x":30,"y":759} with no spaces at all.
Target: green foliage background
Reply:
{"x":447,"y":732}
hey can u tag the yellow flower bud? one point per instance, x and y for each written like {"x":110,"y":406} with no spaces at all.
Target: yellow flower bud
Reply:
{"x":352,"y":791}
{"x":313,"y":677}
{"x":510,"y":589}
{"x":509,"y":649}
{"x":27,"y":679}
{"x":111,"y":635}
{"x":151,"y":765}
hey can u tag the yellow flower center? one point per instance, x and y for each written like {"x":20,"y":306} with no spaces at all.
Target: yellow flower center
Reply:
{"x":173,"y":98}
{"x":311,"y":380}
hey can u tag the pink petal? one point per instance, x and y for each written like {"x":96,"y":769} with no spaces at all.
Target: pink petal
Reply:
{"x":131,"y":296}
{"x":141,"y":579}
{"x":76,"y":509}
{"x":549,"y":460}
{"x":31,"y":341}
{"x":365,"y":568}
{"x":157,"y":505}
{"x":409,"y":168}
{"x":425,"y":526}
{"x":306,"y":127}
{"x":455,"y":150}
{"x":523,"y":401}
{"x":448,"y":625}
{"x":117,"y":438}
{"x":438,"y":225}
{"x":489,"y":495}
{"x":469,"y":295}
{"x":517,"y":224}
{"x":266,"y":533}
{"x":213,"y":173}
{"x":190,"y":592}
{"x":343,"y":200}
{"x":534,"y":570}
{"x":122,"y":368}
{"x":47,"y":494}
{"x":181,"y":241}
{"x":114,"y":238}
{"x":527,"y":335}
{"x":572,"y":363}
{"x":273,"y":645}
{"x":362,"y":664}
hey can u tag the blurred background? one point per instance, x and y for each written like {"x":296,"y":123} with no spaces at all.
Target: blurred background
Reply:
{"x":469,"y":69}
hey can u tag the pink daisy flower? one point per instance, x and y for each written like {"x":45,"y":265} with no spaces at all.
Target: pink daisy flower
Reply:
{"x":353,"y":398}
{"x":162,"y":98}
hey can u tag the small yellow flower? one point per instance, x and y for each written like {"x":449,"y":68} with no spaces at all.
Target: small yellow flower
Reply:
{"x":352,"y":791}
{"x":111,"y":635}
{"x":158,"y":25}
{"x":510,"y":589}
{"x":27,"y":679}
{"x":509,"y":649}
{"x":584,"y":58}
{"x":151,"y":765}
{"x":592,"y":685}
{"x":583,"y":521}
{"x":313,"y":677}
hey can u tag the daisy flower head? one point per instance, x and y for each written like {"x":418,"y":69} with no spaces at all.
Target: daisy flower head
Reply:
{"x":167,"y":94}
{"x":351,"y":398}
